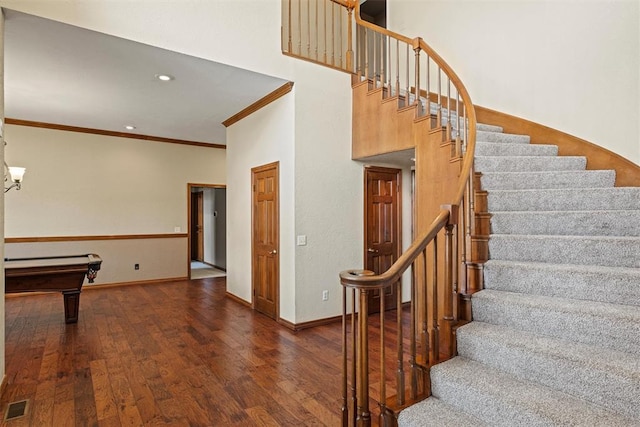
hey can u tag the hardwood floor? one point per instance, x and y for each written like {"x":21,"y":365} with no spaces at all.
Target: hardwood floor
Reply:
{"x":178,"y":354}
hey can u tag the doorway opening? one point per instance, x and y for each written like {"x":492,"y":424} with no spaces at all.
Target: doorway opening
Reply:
{"x":207,"y":230}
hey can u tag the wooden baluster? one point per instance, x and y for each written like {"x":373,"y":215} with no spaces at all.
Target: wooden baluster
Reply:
{"x":389,"y":68}
{"x":375,"y":70}
{"x":449,"y":278}
{"x":289,"y":45}
{"x":434,"y":343}
{"x":333,"y":34}
{"x":448,"y":109}
{"x":439,"y":119}
{"x":324,"y":14}
{"x":424,"y":303}
{"x":354,"y":360}
{"x":366,"y":53}
{"x":299,"y":28}
{"x":340,"y":37}
{"x":413,"y":388}
{"x":350,"y":39}
{"x":458,"y":142}
{"x":383,"y":75}
{"x":383,"y":371}
{"x":308,"y":29}
{"x":406,"y":95}
{"x":345,"y":373}
{"x":428,"y":84}
{"x":364,"y":415}
{"x":398,"y":69}
{"x":400,"y":356}
{"x":416,"y":49}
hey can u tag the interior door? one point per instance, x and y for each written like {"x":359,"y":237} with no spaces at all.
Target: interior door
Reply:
{"x":382,"y":222}
{"x":197,"y":224}
{"x":265,"y":240}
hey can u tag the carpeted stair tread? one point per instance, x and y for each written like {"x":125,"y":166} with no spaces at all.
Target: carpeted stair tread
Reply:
{"x":488,"y":128}
{"x":574,"y":199}
{"x":575,"y":223}
{"x":543,"y":180}
{"x":610,"y":251}
{"x":613,"y":285}
{"x":499,"y":399}
{"x":528,"y":163}
{"x":433,"y":412}
{"x":502,"y":137}
{"x":605,"y":377}
{"x":611,"y":326}
{"x":502,"y":149}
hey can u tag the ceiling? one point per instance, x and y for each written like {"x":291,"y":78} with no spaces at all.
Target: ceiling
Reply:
{"x":61,"y":74}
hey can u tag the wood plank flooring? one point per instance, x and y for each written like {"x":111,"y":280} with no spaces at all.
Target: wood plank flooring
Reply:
{"x":178,"y":354}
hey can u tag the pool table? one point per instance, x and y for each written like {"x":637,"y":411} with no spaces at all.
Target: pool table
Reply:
{"x":52,"y":274}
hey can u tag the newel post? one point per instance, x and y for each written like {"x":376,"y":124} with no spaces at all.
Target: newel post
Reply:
{"x":363,"y":418}
{"x":450,"y":285}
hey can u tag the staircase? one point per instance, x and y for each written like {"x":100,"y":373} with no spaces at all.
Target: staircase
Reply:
{"x":556,"y":333}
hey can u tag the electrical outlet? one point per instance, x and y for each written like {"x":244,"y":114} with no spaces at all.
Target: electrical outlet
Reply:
{"x":136,"y":266}
{"x":325,"y":295}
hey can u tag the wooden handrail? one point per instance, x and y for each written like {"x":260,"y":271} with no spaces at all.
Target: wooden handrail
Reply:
{"x":377,"y":29}
{"x":353,"y":278}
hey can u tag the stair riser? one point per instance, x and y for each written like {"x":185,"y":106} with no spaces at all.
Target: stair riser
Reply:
{"x":610,"y":286}
{"x":613,"y":332}
{"x":565,"y":199}
{"x":605,"y":251}
{"x":541,"y":180}
{"x":528,"y":163}
{"x":599,"y":382}
{"x":499,"y":149}
{"x":595,"y":223}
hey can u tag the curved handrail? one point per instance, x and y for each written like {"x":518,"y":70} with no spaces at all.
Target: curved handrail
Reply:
{"x":403,"y":262}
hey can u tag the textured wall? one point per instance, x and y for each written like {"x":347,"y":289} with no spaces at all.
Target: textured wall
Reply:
{"x":573,"y":66}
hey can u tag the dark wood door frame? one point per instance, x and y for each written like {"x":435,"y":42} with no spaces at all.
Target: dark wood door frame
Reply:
{"x":268,"y":251}
{"x":190,"y":187}
{"x":370,"y":171}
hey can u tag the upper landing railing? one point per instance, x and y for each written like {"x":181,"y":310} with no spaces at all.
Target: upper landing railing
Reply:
{"x":387,"y":363}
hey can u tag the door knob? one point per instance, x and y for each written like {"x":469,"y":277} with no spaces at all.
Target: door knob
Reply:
{"x":371,"y":250}
{"x":273,"y":252}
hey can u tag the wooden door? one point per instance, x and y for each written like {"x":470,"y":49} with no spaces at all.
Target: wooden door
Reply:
{"x":265,"y":240}
{"x":382,"y":222}
{"x":197,"y":224}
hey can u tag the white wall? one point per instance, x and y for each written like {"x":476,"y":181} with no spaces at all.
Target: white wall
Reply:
{"x":328,"y":191}
{"x":81,"y":184}
{"x":264,"y":137}
{"x":573,"y":66}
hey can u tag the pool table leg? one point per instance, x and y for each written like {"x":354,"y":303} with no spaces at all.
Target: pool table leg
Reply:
{"x":71,"y":306}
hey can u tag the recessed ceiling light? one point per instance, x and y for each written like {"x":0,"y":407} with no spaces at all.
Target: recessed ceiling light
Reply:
{"x":129,"y":127}
{"x":164,"y":77}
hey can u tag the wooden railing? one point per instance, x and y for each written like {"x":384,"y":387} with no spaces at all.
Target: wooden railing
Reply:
{"x":387,"y":357}
{"x":319,"y":31}
{"x":393,"y":371}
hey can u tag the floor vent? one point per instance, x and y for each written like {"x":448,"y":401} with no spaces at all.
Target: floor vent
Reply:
{"x":16,"y":410}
